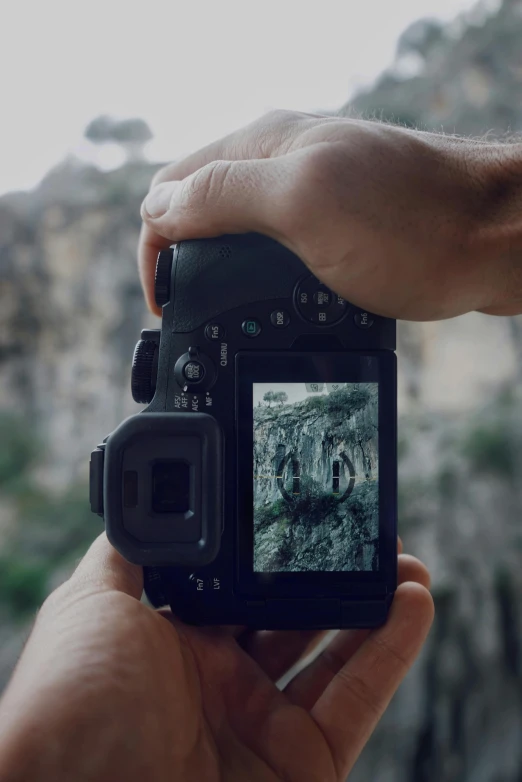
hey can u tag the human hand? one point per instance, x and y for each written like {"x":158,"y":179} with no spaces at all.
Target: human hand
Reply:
{"x":405,"y":224}
{"x":108,"y":689}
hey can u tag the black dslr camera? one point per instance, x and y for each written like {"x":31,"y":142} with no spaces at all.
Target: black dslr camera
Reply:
{"x":258,"y":486}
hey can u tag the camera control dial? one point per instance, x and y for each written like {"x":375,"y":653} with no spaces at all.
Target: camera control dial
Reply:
{"x":162,"y":277}
{"x":144,"y":371}
{"x":195,"y":371}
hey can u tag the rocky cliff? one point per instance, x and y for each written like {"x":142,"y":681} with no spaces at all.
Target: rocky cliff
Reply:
{"x":316,"y":483}
{"x":71,"y":308}
{"x":464,"y":77}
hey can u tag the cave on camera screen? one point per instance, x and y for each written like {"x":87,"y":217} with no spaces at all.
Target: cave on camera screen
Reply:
{"x":316,"y":477}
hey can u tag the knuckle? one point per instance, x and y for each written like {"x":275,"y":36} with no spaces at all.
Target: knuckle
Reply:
{"x":319,"y":166}
{"x":276,"y":117}
{"x":207,"y":185}
{"x":390,"y":651}
{"x":274,"y":132}
{"x":310,"y":189}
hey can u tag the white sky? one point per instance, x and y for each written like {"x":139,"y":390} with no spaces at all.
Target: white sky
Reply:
{"x":295,"y":392}
{"x":194,"y":69}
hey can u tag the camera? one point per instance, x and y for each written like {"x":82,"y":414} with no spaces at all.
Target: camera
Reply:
{"x":258,"y":486}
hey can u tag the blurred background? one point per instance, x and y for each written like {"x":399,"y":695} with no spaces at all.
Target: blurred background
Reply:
{"x":94,"y":98}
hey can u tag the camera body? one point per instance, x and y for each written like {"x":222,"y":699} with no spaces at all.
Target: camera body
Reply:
{"x":259,"y":485}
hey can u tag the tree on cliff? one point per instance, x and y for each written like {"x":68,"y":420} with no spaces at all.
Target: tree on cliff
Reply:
{"x":269,"y":398}
{"x":131,"y":134}
{"x":276,"y":397}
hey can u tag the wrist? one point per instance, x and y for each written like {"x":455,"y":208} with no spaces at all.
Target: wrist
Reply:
{"x":485,"y":196}
{"x":495,"y":238}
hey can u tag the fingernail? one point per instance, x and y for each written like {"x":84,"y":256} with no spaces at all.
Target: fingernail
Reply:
{"x":159,"y":199}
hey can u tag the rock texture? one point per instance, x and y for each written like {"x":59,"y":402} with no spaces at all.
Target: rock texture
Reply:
{"x":307,"y":526}
{"x":464,"y":78}
{"x":71,"y":308}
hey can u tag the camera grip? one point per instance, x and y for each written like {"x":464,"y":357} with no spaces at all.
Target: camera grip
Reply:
{"x":211,"y":276}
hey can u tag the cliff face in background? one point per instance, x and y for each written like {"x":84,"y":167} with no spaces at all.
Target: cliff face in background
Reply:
{"x":307,"y":526}
{"x":71,"y":307}
{"x":464,"y":77}
{"x":70,"y":313}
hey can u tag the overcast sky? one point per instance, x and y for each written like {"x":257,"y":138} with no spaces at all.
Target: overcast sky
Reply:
{"x":194,"y":69}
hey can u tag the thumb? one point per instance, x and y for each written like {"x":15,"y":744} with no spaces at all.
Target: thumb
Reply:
{"x":222,"y":197}
{"x":103,"y":569}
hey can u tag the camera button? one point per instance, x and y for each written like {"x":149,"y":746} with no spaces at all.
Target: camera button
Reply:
{"x":251,"y":327}
{"x":214,"y":332}
{"x":317,"y":304}
{"x":197,"y":582}
{"x":363,"y":320}
{"x":279,"y":319}
{"x":323,"y":297}
{"x":194,"y":371}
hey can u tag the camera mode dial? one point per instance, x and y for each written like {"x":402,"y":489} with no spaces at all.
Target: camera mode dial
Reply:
{"x":162,"y":277}
{"x":144,"y":371}
{"x":195,"y":371}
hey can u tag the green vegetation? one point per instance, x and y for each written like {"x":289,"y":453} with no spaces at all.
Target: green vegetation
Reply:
{"x":19,"y":450}
{"x":266,"y":515}
{"x":314,"y":403}
{"x":292,"y":526}
{"x":23,"y":587}
{"x":448,"y":481}
{"x":492,"y":448}
{"x":346,"y":402}
{"x":49,"y":531}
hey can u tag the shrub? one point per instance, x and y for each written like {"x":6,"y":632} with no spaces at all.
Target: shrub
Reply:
{"x":314,"y":403}
{"x":448,"y":481}
{"x":23,"y":587}
{"x":347,"y":401}
{"x":491,"y":448}
{"x":265,"y":515}
{"x":19,"y":448}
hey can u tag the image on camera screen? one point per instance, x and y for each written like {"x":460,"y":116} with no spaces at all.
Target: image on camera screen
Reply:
{"x":316,"y":477}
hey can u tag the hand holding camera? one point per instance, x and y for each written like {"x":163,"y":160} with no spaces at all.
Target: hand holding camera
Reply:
{"x":259,"y":485}
{"x":407,"y":224}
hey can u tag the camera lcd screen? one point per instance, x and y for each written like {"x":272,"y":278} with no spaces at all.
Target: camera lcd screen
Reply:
{"x":316,"y":477}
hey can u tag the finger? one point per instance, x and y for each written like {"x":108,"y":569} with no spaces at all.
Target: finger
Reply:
{"x":232,"y":631}
{"x":354,"y":701}
{"x":276,"y":651}
{"x":223,"y":197}
{"x":266,"y":137}
{"x":103,"y":569}
{"x":412,"y":569}
{"x":306,"y":687}
{"x":400,"y":547}
{"x":151,"y":242}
